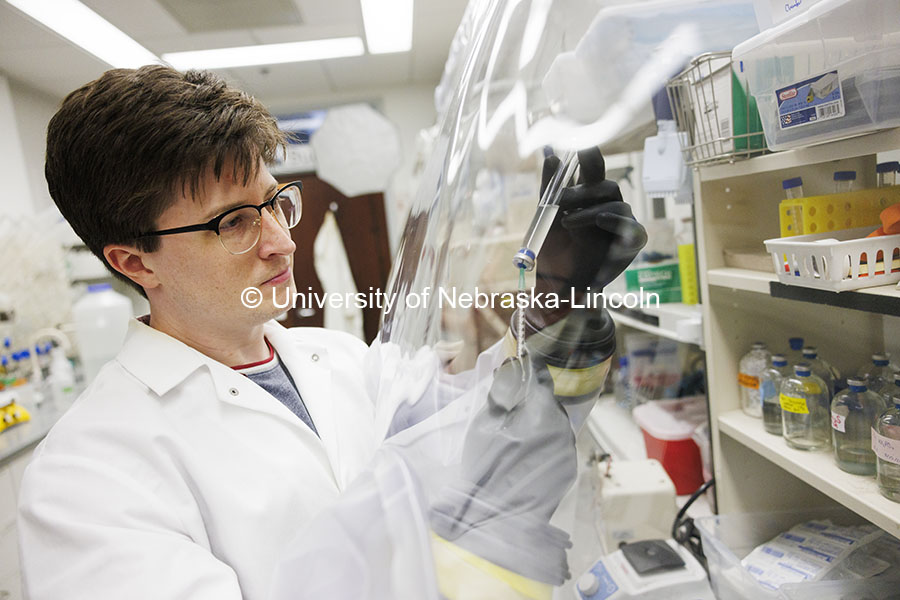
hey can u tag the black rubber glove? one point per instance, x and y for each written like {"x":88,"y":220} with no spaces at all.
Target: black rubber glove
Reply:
{"x":593,"y":238}
{"x":518,"y":461}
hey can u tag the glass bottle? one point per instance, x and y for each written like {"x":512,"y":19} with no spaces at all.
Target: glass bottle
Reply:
{"x":843,"y":181}
{"x":749,"y":369}
{"x":886,"y":173}
{"x":793,"y":188}
{"x":886,"y":445}
{"x":878,"y":374}
{"x":795,"y":353}
{"x":805,"y":410}
{"x":822,"y":368}
{"x":770,"y":390}
{"x":853,"y":413}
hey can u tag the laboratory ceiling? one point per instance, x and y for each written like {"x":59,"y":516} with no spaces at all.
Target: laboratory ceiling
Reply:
{"x":34,"y":55}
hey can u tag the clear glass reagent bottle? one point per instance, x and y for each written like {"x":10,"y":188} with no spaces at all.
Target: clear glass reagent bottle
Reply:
{"x":805,"y":410}
{"x":750,"y":367}
{"x":853,"y":412}
{"x":770,"y":390}
{"x":886,"y":445}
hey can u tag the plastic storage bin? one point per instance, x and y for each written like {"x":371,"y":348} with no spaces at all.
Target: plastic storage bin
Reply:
{"x":727,"y":539}
{"x":836,"y":260}
{"x":831,"y":72}
{"x":668,"y":427}
{"x":880,"y":588}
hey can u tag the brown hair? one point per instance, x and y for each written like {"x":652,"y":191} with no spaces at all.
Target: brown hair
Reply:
{"x":121,"y":147}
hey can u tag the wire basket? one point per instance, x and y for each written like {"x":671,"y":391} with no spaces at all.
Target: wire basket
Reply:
{"x":712,"y":106}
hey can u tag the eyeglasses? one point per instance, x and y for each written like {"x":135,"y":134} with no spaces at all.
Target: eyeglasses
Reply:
{"x":239,"y":228}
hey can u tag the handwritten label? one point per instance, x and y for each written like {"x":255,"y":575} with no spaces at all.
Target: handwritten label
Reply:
{"x":794,"y":405}
{"x":838,"y":422}
{"x":748,"y":381}
{"x":885,"y":448}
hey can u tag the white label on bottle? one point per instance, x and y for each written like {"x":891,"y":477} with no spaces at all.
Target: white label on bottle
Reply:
{"x":885,"y":448}
{"x":838,"y":422}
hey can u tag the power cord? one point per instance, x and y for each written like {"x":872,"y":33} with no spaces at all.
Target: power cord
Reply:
{"x":683,"y":530}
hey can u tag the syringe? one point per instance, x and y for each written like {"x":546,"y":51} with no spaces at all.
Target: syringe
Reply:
{"x":546,"y":212}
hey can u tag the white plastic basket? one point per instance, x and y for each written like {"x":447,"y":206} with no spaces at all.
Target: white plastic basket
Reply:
{"x":836,"y":260}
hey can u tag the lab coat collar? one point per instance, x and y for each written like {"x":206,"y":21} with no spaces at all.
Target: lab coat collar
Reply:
{"x":144,"y":350}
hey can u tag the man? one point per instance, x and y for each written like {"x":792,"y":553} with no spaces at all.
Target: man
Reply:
{"x":190,"y":464}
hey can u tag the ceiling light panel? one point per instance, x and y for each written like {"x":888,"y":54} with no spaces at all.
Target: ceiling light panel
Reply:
{"x":267,"y":54}
{"x":388,"y":25}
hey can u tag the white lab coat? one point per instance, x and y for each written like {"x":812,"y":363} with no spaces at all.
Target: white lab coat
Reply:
{"x":175,"y":477}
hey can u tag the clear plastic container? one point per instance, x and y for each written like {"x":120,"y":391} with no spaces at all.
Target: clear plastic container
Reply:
{"x":886,"y":173}
{"x":844,"y":181}
{"x":827,"y":73}
{"x":793,"y":188}
{"x":727,"y":539}
{"x":101,"y":321}
{"x":750,"y":367}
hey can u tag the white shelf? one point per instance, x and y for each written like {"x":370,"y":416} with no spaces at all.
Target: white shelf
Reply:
{"x":858,"y":493}
{"x":677,"y":321}
{"x":741,"y":279}
{"x":857,"y":146}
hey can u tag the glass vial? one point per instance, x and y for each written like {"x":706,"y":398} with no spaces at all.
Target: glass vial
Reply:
{"x":770,"y":390}
{"x":805,"y":411}
{"x":843,"y":181}
{"x":749,"y":369}
{"x":886,"y":445}
{"x":793,"y":188}
{"x":886,"y":173}
{"x":853,"y":412}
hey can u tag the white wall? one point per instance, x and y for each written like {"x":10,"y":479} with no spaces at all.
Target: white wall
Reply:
{"x":33,"y":110}
{"x":15,"y":189}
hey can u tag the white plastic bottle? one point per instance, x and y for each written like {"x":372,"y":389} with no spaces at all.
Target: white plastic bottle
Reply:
{"x":62,"y":380}
{"x":101,"y":321}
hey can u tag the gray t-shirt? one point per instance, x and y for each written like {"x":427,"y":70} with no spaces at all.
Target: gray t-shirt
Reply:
{"x":272,"y":376}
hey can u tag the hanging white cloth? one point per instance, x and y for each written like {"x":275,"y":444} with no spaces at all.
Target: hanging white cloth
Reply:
{"x":333,"y":269}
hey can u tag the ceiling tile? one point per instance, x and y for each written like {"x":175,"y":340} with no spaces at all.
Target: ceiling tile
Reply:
{"x":282,"y":81}
{"x":278,"y":35}
{"x":380,"y":70}
{"x":227,"y":15}
{"x":329,"y":12}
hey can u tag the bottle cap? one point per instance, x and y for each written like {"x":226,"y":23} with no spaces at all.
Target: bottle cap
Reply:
{"x":796,"y":343}
{"x":802,"y":370}
{"x":845,"y":175}
{"x":791,"y":183}
{"x":810,"y":352}
{"x":99,"y":287}
{"x":856,"y":385}
{"x":880,"y":360}
{"x":779,"y":360}
{"x":890,"y":166}
{"x":758,"y":346}
{"x":896,"y":378}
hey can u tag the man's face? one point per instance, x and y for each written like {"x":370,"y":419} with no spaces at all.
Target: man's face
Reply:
{"x":201,"y":283}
